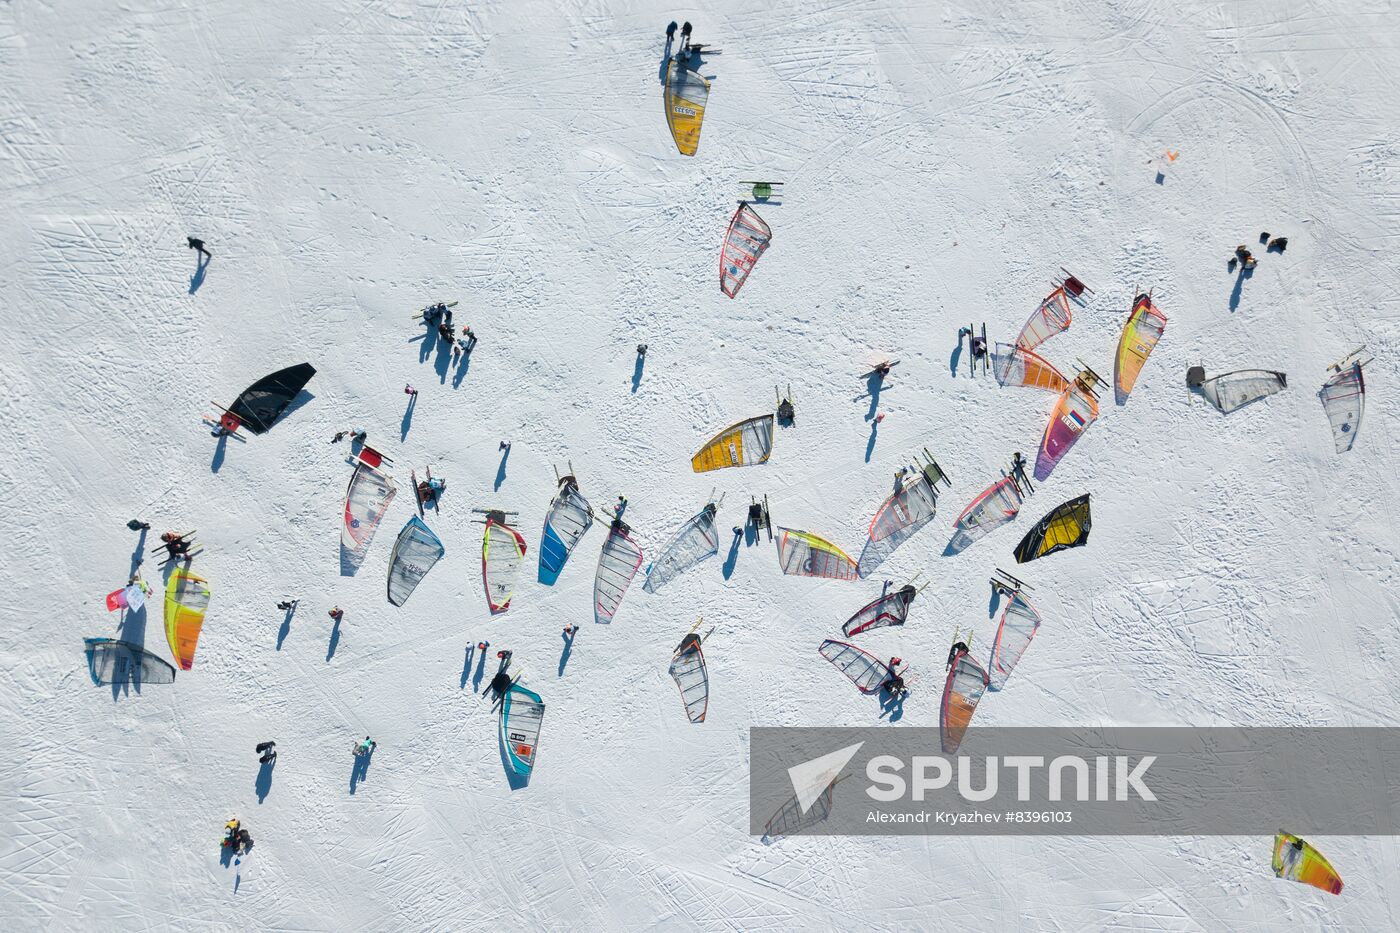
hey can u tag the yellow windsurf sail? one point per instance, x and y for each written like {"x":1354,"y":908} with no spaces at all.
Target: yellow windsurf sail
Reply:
{"x":1297,"y":860}
{"x":803,"y":554}
{"x":685,"y":97}
{"x":742,"y":444}
{"x":1067,"y":525}
{"x":186,"y":599}
{"x":1140,"y":334}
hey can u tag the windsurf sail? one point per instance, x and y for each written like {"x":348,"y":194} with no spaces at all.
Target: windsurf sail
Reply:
{"x":367,"y":498}
{"x":262,"y":403}
{"x":617,"y":565}
{"x":415,"y":552}
{"x":913,"y":504}
{"x":502,"y":553}
{"x":186,"y":600}
{"x":1143,"y":329}
{"x":522,"y":713}
{"x":1019,"y":623}
{"x":803,"y":554}
{"x":1075,"y":411}
{"x":744,"y":242}
{"x":120,"y":662}
{"x":1066,"y":526}
{"x":966,"y":683}
{"x":569,"y":517}
{"x":696,"y":540}
{"x":693,"y":681}
{"x":684,"y":97}
{"x":890,"y":609}
{"x":1017,"y":366}
{"x":1344,"y":400}
{"x":998,"y":504}
{"x":1051,"y":318}
{"x":1230,"y":391}
{"x":743,"y":444}
{"x":1298,"y":861}
{"x":865,"y":670}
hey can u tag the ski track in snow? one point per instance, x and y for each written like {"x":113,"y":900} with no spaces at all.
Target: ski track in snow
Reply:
{"x":350,"y":163}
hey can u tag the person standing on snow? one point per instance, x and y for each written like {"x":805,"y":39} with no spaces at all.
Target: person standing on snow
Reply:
{"x":198,"y":244}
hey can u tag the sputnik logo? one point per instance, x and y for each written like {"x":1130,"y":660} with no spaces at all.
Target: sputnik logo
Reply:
{"x":811,"y":778}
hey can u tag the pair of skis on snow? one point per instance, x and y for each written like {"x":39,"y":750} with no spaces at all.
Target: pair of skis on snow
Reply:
{"x":972,"y":358}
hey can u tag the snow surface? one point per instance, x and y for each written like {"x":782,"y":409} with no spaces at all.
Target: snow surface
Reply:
{"x":350,"y":162}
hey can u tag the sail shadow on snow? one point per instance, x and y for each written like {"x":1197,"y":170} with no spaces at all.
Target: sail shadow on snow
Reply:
{"x":876,"y":553}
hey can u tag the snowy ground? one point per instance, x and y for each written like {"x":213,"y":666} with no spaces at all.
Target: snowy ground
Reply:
{"x":349,"y":162}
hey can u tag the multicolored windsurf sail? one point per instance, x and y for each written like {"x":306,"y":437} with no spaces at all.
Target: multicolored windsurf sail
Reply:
{"x":684,"y":97}
{"x":502,"y":553}
{"x":996,"y":505}
{"x":258,"y":407}
{"x":617,"y":565}
{"x":367,"y":498}
{"x":186,"y":600}
{"x":1143,"y":329}
{"x":1074,"y":412}
{"x":803,"y":554}
{"x":691,"y":677}
{"x":865,"y":670}
{"x":522,"y":714}
{"x":1017,"y":366}
{"x":1344,"y":400}
{"x":1231,"y":391}
{"x":1067,"y":525}
{"x":1019,"y":623}
{"x":744,"y":242}
{"x":415,"y":552}
{"x":569,"y":517}
{"x":966,"y":683}
{"x":743,"y":444}
{"x":1298,"y":861}
{"x":120,"y":662}
{"x":890,"y":609}
{"x":693,"y":542}
{"x":1050,"y":318}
